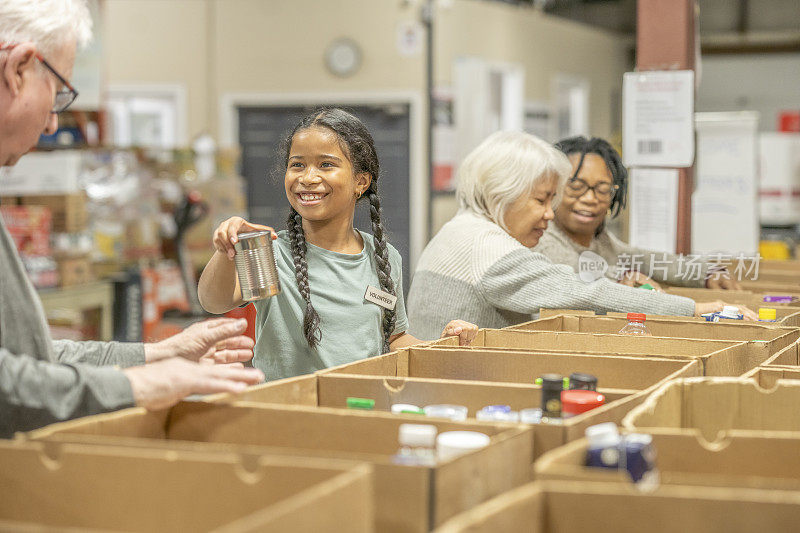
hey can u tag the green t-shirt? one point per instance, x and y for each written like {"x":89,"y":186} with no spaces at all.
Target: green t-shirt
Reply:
{"x":351,"y":326}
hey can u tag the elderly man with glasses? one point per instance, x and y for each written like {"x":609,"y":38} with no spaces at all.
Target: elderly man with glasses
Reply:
{"x":41,"y":380}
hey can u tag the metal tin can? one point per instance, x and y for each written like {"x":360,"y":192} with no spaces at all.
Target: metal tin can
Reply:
{"x":255,"y":266}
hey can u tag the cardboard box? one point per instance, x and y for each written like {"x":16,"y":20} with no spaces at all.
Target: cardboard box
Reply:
{"x":573,"y":507}
{"x":767,"y":376}
{"x":46,"y":173}
{"x":29,"y":227}
{"x":74,"y":271}
{"x":408,"y":498}
{"x":64,"y":485}
{"x":762,"y":340}
{"x":716,"y":357}
{"x":434,"y":369}
{"x":742,"y":461}
{"x":719,"y":408}
{"x":69,"y":211}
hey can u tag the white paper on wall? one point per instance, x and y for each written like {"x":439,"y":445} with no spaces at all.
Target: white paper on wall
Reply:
{"x":654,"y":208}
{"x":658,"y":118}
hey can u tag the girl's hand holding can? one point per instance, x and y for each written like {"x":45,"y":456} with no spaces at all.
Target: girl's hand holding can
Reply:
{"x":227,"y":234}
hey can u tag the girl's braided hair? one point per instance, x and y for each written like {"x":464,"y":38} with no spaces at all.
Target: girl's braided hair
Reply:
{"x":357,"y":143}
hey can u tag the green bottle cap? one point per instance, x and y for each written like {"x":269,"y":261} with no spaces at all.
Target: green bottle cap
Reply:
{"x":538,"y":381}
{"x":413,"y":412}
{"x":647,"y":286}
{"x":360,"y":403}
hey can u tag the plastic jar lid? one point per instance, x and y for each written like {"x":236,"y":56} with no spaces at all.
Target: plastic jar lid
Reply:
{"x":421,"y":435}
{"x":398,"y":408}
{"x":575,"y":402}
{"x":603,"y":435}
{"x":453,"y":412}
{"x":636,"y":317}
{"x":497,"y":409}
{"x":497,"y":416}
{"x":453,"y":443}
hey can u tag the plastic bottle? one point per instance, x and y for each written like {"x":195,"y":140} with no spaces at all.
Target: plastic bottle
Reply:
{"x":450,"y":444}
{"x":552,"y":385}
{"x":604,"y":446}
{"x":399,"y":408}
{"x":636,"y":325}
{"x":417,"y":445}
{"x":765,"y":314}
{"x":633,"y":452}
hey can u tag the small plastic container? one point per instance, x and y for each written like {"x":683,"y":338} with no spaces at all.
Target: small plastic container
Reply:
{"x":575,"y":402}
{"x":453,"y":412}
{"x":531,"y":416}
{"x":360,"y":403}
{"x":636,"y":325}
{"x":400,"y":408}
{"x":604,"y":446}
{"x":497,"y":413}
{"x":417,"y":445}
{"x":451,"y":444}
{"x":765,"y":314}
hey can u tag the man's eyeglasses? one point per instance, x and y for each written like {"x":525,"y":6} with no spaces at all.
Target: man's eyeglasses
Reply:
{"x":603,"y":191}
{"x":64,"y":96}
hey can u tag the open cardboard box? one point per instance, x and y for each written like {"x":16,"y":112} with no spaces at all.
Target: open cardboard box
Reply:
{"x":718,"y":408}
{"x":762,"y":340}
{"x":578,"y":507}
{"x":740,"y":461}
{"x":720,"y":358}
{"x":789,"y":356}
{"x":66,"y":485}
{"x":457,"y":374}
{"x":407,"y":498}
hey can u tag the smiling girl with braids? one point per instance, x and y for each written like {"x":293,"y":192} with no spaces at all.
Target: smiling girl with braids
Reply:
{"x":598,"y":187}
{"x":321,"y":318}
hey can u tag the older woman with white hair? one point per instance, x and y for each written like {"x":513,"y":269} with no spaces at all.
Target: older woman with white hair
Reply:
{"x":480,"y":265}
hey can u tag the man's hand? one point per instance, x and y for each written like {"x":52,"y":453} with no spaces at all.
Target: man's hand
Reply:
{"x":164,"y":383}
{"x":465,"y":331}
{"x":634,"y":278}
{"x":217,"y":340}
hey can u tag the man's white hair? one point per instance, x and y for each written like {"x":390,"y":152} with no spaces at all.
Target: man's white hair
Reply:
{"x":49,"y":24}
{"x":504,"y":167}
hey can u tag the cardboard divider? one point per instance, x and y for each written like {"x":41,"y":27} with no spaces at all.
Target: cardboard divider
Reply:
{"x":767,"y":376}
{"x":577,"y":507}
{"x":67,"y":485}
{"x":762,"y":340}
{"x":715,"y":408}
{"x":686,"y":460}
{"x":724,"y":358}
{"x":407,"y":498}
{"x":789,"y":356}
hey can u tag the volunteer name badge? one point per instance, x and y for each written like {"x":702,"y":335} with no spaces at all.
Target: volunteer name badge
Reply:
{"x":381,"y":298}
{"x":658,"y":118}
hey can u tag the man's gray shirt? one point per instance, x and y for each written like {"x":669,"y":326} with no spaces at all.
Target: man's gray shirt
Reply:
{"x":44,"y":381}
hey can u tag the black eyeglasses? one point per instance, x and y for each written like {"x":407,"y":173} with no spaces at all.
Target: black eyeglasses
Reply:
{"x":64,"y":96}
{"x":604,"y":191}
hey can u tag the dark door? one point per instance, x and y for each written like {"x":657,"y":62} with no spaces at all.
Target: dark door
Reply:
{"x":261,"y":131}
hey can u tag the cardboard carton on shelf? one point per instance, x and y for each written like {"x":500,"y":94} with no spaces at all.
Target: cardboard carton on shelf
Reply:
{"x":59,"y":486}
{"x":408,"y":498}
{"x":69,"y":211}
{"x":717,"y":357}
{"x":575,"y":507}
{"x":719,"y":408}
{"x":74,"y":270}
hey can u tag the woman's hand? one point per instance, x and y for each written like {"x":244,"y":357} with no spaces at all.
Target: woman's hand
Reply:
{"x":634,"y":278}
{"x":227,"y":234}
{"x":703,"y":308}
{"x":722,"y":280}
{"x":465,"y":331}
